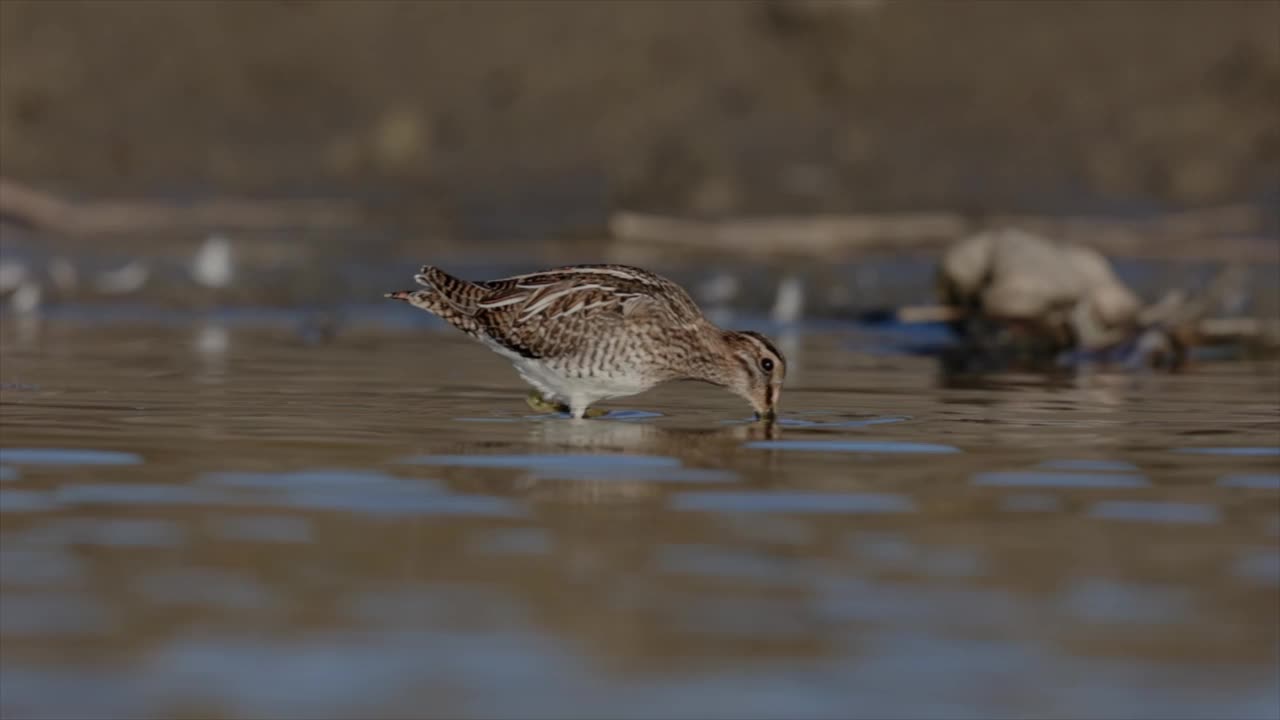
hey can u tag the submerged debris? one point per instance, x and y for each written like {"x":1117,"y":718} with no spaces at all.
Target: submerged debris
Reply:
{"x":788,"y":306}
{"x":1017,"y":298}
{"x":213,"y":264}
{"x":129,"y":278}
{"x":1067,"y":295}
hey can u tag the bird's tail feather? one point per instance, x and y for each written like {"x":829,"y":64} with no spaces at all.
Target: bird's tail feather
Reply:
{"x":442,"y":294}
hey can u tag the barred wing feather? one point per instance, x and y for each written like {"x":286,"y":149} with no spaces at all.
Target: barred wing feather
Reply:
{"x":516,"y":311}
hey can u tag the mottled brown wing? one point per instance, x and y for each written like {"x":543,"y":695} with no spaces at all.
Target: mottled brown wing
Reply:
{"x":554,"y":312}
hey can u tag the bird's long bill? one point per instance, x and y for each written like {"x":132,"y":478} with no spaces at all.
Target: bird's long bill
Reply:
{"x":399,"y":295}
{"x":770,"y":411}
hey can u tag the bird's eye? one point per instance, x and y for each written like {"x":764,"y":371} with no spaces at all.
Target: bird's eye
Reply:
{"x":766,"y":364}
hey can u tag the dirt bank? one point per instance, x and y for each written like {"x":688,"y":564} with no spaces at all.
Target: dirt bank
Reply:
{"x":703,"y":107}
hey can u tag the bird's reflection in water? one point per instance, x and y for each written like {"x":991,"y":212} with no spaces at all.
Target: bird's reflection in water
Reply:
{"x":651,"y":458}
{"x":647,"y":438}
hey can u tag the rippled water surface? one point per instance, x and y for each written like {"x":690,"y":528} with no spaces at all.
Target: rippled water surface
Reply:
{"x":216,"y":521}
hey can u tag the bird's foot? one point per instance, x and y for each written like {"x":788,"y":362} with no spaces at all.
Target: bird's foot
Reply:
{"x":536,"y":401}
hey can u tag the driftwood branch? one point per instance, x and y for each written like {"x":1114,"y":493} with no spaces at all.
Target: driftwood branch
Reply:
{"x":48,"y":212}
{"x":817,"y":235}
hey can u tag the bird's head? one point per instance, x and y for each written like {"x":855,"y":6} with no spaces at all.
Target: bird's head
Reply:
{"x":755,"y":371}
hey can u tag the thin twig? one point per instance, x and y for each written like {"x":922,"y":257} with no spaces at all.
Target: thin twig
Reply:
{"x":48,"y":212}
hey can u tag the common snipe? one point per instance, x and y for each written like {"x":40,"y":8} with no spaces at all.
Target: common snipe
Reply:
{"x":584,"y":333}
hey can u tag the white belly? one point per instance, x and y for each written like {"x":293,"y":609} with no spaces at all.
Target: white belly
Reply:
{"x":558,"y":384}
{"x":577,"y":391}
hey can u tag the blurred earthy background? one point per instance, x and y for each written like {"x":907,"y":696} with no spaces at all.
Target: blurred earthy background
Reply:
{"x":716,"y":107}
{"x":317,"y":152}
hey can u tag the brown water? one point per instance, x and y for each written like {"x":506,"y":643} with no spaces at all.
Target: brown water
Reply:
{"x":228,"y":522}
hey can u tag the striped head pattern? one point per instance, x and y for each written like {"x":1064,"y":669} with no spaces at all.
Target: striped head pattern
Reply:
{"x":756,"y":371}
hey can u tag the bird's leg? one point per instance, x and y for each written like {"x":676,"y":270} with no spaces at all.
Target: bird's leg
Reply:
{"x":577,"y":412}
{"x":540,"y":403}
{"x":536,"y":401}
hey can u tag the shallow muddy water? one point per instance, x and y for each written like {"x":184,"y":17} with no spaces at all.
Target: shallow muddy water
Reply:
{"x":222,"y":520}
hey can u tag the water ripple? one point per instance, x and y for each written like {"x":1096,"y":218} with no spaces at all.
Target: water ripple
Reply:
{"x":1261,"y":481}
{"x":401,"y":502}
{"x":1030,"y":502}
{"x":310,"y":479}
{"x":1156,"y":511}
{"x":793,"y":502}
{"x":105,"y":532}
{"x":853,"y":446}
{"x":139,"y":493}
{"x":512,"y":541}
{"x":52,"y":614}
{"x":1233,"y":451}
{"x":818,"y":424}
{"x":264,"y":528}
{"x":658,"y":474}
{"x":1084,"y":465}
{"x":362,"y":492}
{"x":26,"y":501}
{"x":204,"y":587}
{"x":62,"y":456}
{"x":726,"y":562}
{"x":1023,"y":478}
{"x":38,"y":566}
{"x":547,"y":462}
{"x":1258,"y":566}
{"x":1097,"y":600}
